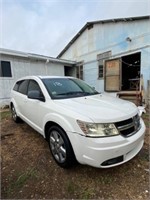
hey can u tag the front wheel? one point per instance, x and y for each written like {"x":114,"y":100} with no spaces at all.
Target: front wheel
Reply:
{"x":60,"y":147}
{"x":14,"y":115}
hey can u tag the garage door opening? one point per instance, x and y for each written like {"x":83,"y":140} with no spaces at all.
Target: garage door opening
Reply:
{"x":131,"y":66}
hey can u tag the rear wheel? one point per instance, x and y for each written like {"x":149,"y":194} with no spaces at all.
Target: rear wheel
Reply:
{"x":60,"y":147}
{"x":14,"y":115}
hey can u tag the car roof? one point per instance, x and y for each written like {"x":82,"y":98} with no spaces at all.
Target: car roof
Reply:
{"x":55,"y":77}
{"x":45,"y":77}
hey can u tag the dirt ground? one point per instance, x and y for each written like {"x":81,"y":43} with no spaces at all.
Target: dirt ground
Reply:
{"x":29,"y":172}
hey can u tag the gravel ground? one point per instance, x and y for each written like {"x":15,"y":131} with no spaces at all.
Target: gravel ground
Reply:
{"x":28,"y":170}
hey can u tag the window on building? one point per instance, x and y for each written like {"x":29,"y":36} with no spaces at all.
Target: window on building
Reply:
{"x":100,"y":69}
{"x":79,"y":72}
{"x":5,"y":69}
{"x":101,"y":58}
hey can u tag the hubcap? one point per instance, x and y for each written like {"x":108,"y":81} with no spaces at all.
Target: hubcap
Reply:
{"x":14,"y":115}
{"x":57,"y":146}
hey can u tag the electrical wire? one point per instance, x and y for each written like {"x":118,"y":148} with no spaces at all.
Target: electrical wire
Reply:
{"x":129,"y":64}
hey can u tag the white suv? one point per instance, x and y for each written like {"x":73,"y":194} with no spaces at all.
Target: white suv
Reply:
{"x":78,"y":122}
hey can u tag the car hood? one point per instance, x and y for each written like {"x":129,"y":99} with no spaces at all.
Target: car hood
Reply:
{"x":100,"y":108}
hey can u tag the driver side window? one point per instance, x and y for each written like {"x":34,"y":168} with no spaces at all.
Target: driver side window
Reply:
{"x":34,"y":86}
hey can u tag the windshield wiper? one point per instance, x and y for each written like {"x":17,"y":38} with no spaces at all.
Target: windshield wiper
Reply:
{"x":78,"y":93}
{"x":70,"y":93}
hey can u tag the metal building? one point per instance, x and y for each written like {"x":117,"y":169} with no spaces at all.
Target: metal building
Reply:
{"x":16,"y":64}
{"x":113,"y":56}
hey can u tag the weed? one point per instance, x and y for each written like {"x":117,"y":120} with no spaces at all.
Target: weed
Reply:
{"x":24,"y":177}
{"x":144,"y":155}
{"x":88,"y":193}
{"x":4,"y":115}
{"x":71,"y":187}
{"x":106,"y":179}
{"x":21,"y":180}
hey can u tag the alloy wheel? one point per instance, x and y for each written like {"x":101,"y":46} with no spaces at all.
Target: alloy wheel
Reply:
{"x":57,"y":146}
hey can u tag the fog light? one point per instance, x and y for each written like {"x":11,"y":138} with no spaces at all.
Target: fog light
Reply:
{"x":112,"y":161}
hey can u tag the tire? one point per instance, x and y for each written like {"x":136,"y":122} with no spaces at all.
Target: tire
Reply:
{"x":14,"y":115}
{"x":60,"y":147}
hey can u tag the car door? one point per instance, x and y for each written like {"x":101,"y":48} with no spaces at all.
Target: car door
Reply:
{"x":34,"y":107}
{"x":21,"y":97}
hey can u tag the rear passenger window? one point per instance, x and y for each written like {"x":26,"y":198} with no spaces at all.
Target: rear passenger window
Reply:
{"x":17,"y":86}
{"x":23,"y":87}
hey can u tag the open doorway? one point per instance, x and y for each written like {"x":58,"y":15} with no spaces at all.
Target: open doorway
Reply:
{"x":131,"y":66}
{"x":69,"y":70}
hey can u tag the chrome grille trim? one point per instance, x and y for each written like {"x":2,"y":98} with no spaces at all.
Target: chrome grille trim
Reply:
{"x":129,"y":127}
{"x":121,"y":128}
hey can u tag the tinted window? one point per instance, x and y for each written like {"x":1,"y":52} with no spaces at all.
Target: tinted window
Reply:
{"x":33,"y":85}
{"x":17,"y":85}
{"x":23,"y":87}
{"x":5,"y":69}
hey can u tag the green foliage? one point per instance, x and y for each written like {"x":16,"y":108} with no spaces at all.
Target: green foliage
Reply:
{"x":5,"y":115}
{"x":21,"y":180}
{"x":87,"y":193}
{"x":71,"y":188}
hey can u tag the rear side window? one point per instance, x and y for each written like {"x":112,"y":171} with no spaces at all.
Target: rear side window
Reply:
{"x":23,"y":86}
{"x":17,"y":86}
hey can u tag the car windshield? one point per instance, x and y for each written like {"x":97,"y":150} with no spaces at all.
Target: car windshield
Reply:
{"x":62,"y":88}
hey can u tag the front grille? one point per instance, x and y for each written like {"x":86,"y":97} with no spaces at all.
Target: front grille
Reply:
{"x":129,"y":127}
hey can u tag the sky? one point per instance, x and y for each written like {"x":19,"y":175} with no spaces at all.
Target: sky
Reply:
{"x":45,"y":27}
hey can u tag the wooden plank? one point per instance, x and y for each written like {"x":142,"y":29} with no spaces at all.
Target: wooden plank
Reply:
{"x":129,"y":93}
{"x":112,"y":67}
{"x":112,"y":75}
{"x":112,"y":83}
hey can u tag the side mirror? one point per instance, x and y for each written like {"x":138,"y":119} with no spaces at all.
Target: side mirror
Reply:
{"x":141,"y":110}
{"x":35,"y":94}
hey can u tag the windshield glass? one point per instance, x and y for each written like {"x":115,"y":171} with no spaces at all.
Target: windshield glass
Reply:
{"x":62,"y":88}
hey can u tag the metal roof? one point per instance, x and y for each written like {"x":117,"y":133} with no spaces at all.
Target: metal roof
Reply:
{"x":90,"y":24}
{"x":34,"y":56}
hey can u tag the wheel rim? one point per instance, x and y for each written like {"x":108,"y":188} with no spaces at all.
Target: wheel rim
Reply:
{"x":14,"y":115}
{"x":57,"y":146}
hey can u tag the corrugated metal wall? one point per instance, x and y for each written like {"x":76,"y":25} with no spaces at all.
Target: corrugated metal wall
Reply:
{"x":111,"y":37}
{"x":23,"y":67}
{"x":148,"y":93}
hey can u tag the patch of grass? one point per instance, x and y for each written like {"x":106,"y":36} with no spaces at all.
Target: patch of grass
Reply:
{"x":145,"y":114}
{"x":21,"y":180}
{"x":147,"y":122}
{"x":106,"y":179}
{"x":144,"y":155}
{"x":5,"y":115}
{"x":71,"y":188}
{"x":146,"y":118}
{"x":88,"y":193}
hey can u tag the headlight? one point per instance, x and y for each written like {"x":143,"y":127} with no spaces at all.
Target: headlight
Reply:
{"x":97,"y":130}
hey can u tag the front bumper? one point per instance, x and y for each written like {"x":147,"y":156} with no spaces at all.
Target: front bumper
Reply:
{"x":109,"y":151}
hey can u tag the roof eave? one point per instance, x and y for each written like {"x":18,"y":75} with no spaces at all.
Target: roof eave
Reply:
{"x":34,"y":56}
{"x":100,"y":22}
